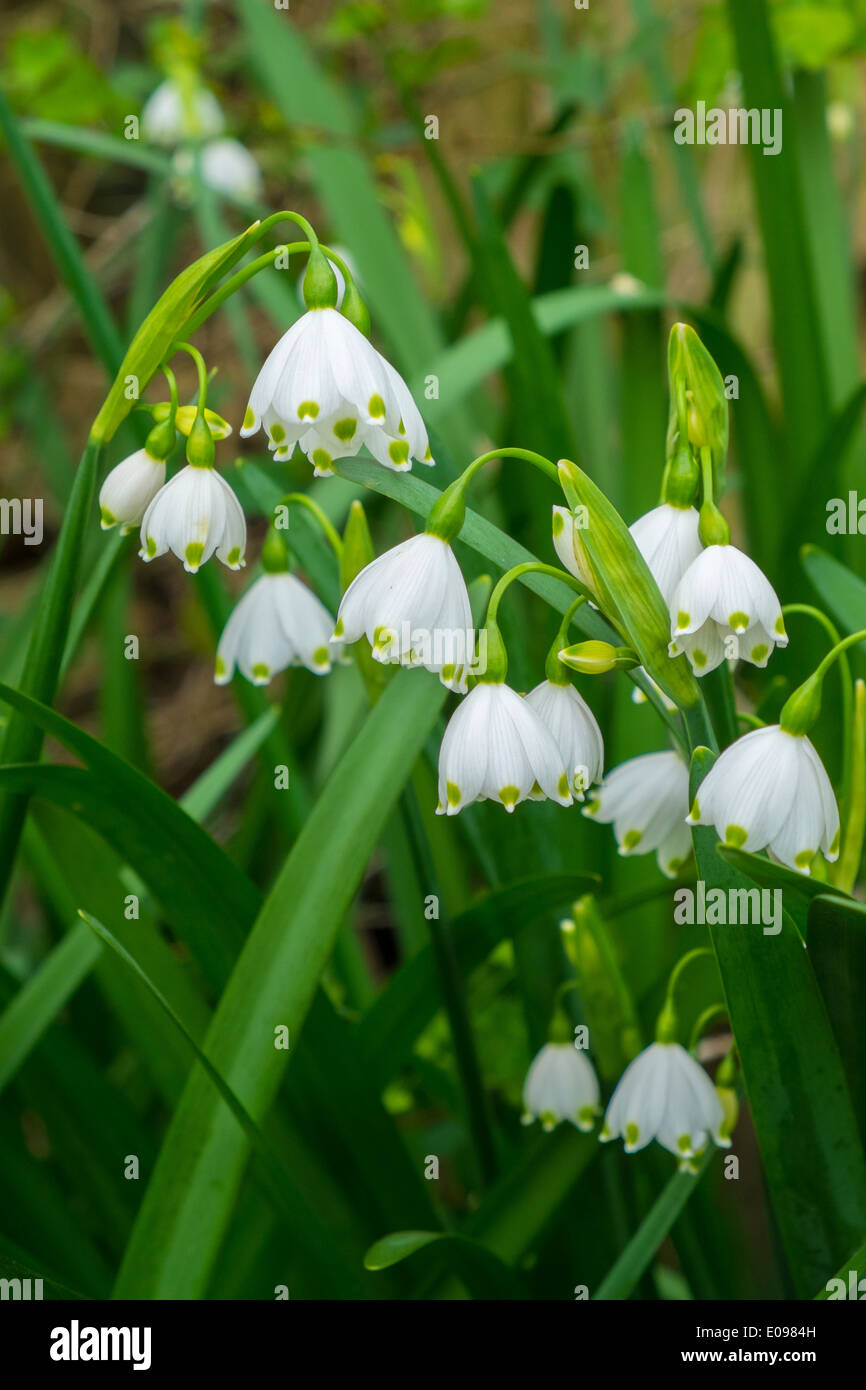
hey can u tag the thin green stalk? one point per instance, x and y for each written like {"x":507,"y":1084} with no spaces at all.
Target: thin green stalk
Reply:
{"x":454,"y":999}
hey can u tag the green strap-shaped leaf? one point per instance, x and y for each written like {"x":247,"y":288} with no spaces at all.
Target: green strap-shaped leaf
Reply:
{"x":798,"y":890}
{"x":794,"y":1079}
{"x":483,"y":1273}
{"x":837,"y":947}
{"x":190,"y":1198}
{"x":843,"y":591}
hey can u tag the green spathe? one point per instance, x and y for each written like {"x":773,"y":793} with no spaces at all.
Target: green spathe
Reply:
{"x":626,"y":590}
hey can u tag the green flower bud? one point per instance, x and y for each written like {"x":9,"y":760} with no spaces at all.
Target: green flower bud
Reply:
{"x":200,"y":446}
{"x":593,"y":658}
{"x":617,"y":574}
{"x":320,"y":282}
{"x":802,"y":707}
{"x":185,"y":418}
{"x":691,"y":368}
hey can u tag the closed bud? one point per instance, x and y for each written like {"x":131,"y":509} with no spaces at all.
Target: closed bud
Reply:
{"x":199,"y":445}
{"x":320,"y":282}
{"x":691,"y":369}
{"x":593,"y":658}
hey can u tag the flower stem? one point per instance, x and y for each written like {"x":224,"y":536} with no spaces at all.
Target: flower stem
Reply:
{"x":448,"y":513}
{"x":808,"y":610}
{"x":530,"y":567}
{"x":714,"y":1011}
{"x":331,"y":535}
{"x":247,"y":272}
{"x":453,"y":997}
{"x":201,"y":370}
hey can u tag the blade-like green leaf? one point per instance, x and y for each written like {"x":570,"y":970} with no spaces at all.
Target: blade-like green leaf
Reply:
{"x":483,"y":1273}
{"x":795,"y":1083}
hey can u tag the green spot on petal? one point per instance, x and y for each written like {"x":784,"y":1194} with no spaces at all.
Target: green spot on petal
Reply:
{"x":376,"y":407}
{"x":193,"y":554}
{"x":261,"y":672}
{"x":453,"y":794}
{"x":683,"y":619}
{"x":321,"y":657}
{"x":695,"y":812}
{"x":308,"y":410}
{"x":558,"y":523}
{"x":447,"y":672}
{"x":735,"y":835}
{"x":339,"y":629}
{"x":322,"y":459}
{"x":249,"y":419}
{"x":631,"y":838}
{"x":632,"y":1134}
{"x":278,"y":434}
{"x":150,"y":546}
{"x":760,"y":652}
{"x":562,"y":785}
{"x":219,"y":667}
{"x":108,"y":519}
{"x":780,"y":627}
{"x":345,"y":429}
{"x":398,"y":451}
{"x":804,"y":858}
{"x":684,"y":1143}
{"x":699,"y":657}
{"x":233,"y":558}
{"x":509,"y":796}
{"x":738,"y":621}
{"x":834,"y":848}
{"x":586,"y":1117}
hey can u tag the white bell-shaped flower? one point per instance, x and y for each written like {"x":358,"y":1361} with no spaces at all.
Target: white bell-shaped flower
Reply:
{"x":667,"y":538}
{"x":561,"y":1084}
{"x":575,"y":729}
{"x":665,"y":1094}
{"x":171,"y":114}
{"x":647,"y":800}
{"x":277,"y":623}
{"x":723,"y":595}
{"x":128,"y":490}
{"x":195,"y":515}
{"x":497,"y":748}
{"x":769,"y":790}
{"x":325,"y":387}
{"x":413,"y":606}
{"x":224,"y":165}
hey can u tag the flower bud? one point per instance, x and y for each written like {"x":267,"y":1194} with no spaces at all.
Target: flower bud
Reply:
{"x":692,"y":369}
{"x":593,"y":658}
{"x":199,"y":446}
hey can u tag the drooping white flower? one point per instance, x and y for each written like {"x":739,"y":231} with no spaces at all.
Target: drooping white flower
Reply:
{"x":647,"y":799}
{"x":561,"y":1085}
{"x":413,"y":606}
{"x":172,"y":114}
{"x":565,"y":531}
{"x":665,"y":1094}
{"x":723,"y":594}
{"x":129,"y":488}
{"x":277,"y":623}
{"x":195,"y":515}
{"x":326,"y":388}
{"x":770,"y":790}
{"x":667,"y":538}
{"x":224,"y":165}
{"x":496,"y":748}
{"x":574,"y":727}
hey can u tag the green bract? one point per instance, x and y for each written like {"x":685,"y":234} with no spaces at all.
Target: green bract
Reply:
{"x":618,"y":576}
{"x":163,"y":326}
{"x":690,"y":365}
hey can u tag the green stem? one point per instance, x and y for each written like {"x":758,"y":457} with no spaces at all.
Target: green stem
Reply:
{"x":809,"y":611}
{"x":302,"y":500}
{"x":453,"y":998}
{"x":247,"y":272}
{"x":703,"y":1020}
{"x":201,"y":371}
{"x":854,"y":817}
{"x":530,"y":567}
